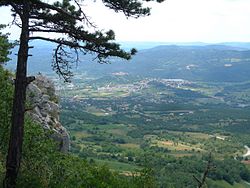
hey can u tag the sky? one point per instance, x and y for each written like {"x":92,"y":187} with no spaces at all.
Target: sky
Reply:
{"x":211,"y":21}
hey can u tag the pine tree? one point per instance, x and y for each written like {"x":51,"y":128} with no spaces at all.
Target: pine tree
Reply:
{"x":5,"y":46}
{"x":5,"y":90}
{"x":67,"y":18}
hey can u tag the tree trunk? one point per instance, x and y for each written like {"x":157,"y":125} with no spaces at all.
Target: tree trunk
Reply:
{"x":18,"y":110}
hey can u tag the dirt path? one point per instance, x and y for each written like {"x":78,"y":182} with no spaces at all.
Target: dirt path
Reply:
{"x":248,"y":152}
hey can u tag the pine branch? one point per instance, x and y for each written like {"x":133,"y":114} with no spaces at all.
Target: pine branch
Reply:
{"x":46,"y":30}
{"x":86,"y":18}
{"x":16,"y":9}
{"x":96,"y":48}
{"x":43,"y":5}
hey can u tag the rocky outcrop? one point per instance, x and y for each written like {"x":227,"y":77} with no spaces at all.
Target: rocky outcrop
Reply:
{"x":43,"y":101}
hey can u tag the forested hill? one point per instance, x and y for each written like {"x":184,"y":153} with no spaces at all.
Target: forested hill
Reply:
{"x":197,"y":63}
{"x":220,"y":63}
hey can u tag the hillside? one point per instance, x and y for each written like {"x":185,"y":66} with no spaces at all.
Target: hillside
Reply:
{"x":42,"y":164}
{"x":160,"y":114}
{"x":219,"y":63}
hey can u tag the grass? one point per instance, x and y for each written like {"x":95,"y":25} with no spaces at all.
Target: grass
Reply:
{"x":196,"y":135}
{"x":80,"y":134}
{"x":119,"y":131}
{"x":224,"y":184}
{"x":175,"y":146}
{"x":130,"y":146}
{"x":106,"y":127}
{"x":118,"y":166}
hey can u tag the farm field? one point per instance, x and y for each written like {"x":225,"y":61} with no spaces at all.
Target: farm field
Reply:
{"x":152,"y":122}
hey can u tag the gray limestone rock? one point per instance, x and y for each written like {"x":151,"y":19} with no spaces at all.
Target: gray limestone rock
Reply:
{"x":42,"y":100}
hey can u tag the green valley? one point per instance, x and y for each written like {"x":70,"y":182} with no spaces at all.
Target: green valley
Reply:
{"x":155,"y":120}
{"x":129,"y":123}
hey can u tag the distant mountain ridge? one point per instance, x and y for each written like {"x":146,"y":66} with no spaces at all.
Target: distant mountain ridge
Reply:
{"x":226,"y":62}
{"x":245,"y":45}
{"x":147,"y":45}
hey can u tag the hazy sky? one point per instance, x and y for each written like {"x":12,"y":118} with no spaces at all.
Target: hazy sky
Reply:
{"x":173,"y":21}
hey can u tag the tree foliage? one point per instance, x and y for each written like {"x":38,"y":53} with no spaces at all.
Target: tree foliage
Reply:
{"x":68,"y":19}
{"x":5,"y":46}
{"x":6,"y":94}
{"x":6,"y":90}
{"x":43,"y":166}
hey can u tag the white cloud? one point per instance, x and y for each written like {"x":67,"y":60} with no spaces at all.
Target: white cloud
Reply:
{"x":182,"y":20}
{"x":177,"y":21}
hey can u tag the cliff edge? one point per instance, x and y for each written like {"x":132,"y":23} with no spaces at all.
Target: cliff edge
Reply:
{"x":42,"y":99}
